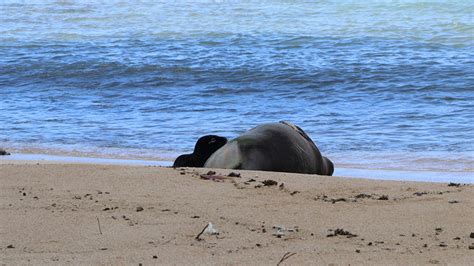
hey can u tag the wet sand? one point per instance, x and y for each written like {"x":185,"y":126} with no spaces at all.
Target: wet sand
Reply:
{"x":115,"y":214}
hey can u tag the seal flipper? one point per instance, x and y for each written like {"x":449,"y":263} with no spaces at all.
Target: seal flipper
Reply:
{"x":183,"y":161}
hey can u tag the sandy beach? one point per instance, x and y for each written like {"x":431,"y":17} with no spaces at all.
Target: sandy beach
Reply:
{"x":114,"y":214}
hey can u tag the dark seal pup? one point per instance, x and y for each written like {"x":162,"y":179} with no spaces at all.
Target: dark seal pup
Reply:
{"x":279,"y":147}
{"x":204,"y":148}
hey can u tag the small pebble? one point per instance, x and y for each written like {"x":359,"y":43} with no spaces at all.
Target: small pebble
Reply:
{"x":139,"y":209}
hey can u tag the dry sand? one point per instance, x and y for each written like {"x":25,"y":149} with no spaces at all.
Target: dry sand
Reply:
{"x":50,"y":214}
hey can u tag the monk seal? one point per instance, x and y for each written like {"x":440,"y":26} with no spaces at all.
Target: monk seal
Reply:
{"x":4,"y":152}
{"x":279,"y":147}
{"x":204,"y":148}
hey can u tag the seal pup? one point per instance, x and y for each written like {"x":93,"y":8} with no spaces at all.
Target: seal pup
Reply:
{"x":204,"y":148}
{"x":279,"y":147}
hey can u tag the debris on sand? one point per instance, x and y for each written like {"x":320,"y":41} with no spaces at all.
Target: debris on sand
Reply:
{"x":211,"y":175}
{"x":4,"y":152}
{"x":279,"y":233}
{"x":341,"y":232}
{"x":209,"y":230}
{"x":453,"y":184}
{"x":327,"y":199}
{"x":383,"y":197}
{"x":363,"y":195}
{"x":269,"y":182}
{"x":337,"y":200}
{"x":420,"y":193}
{"x":286,"y":256}
{"x":282,"y":230}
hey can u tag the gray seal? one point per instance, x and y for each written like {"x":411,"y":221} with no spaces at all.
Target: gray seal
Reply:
{"x":279,"y":147}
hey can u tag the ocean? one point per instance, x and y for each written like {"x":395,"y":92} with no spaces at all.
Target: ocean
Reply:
{"x":376,"y":84}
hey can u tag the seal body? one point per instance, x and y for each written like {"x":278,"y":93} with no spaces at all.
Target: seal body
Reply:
{"x":279,"y":147}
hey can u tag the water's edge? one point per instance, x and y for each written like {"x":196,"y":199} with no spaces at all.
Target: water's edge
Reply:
{"x":375,"y":174}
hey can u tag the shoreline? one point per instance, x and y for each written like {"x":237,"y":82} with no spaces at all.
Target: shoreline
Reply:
{"x":122,"y":214}
{"x":351,"y":172}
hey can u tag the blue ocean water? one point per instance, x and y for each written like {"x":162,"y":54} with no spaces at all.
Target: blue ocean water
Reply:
{"x":376,"y":84}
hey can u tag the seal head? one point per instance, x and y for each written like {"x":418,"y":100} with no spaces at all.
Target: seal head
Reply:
{"x":204,"y":148}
